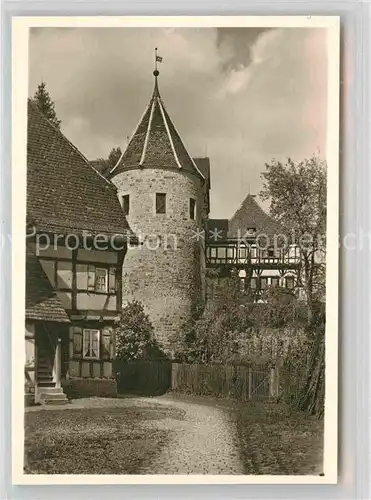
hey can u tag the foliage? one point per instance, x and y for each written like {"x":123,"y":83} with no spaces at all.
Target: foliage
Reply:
{"x":229,"y":331}
{"x":280,"y":308}
{"x":297,"y":194}
{"x":135,"y":335}
{"x":46,"y":105}
{"x":105,"y":165}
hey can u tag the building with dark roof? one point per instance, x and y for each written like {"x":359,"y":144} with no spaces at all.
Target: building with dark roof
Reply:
{"x":77,"y":239}
{"x":255,"y":246}
{"x":165,"y":195}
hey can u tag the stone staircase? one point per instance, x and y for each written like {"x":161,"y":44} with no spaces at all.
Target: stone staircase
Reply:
{"x":46,"y":390}
{"x":52,"y":395}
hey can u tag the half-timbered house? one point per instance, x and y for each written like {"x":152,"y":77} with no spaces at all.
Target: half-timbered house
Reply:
{"x":77,"y":238}
{"x":256,"y":247}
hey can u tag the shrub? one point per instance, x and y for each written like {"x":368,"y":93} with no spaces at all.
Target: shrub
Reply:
{"x":135,"y":337}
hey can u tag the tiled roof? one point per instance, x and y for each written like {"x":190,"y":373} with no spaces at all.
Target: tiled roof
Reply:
{"x":203,"y":165}
{"x":251,"y":215}
{"x":156,"y":142}
{"x":42,"y":302}
{"x":64,"y":193}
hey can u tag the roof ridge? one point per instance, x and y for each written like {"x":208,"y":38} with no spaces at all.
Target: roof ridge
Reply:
{"x":132,"y":135}
{"x":147,"y":133}
{"x":181,"y":140}
{"x":168,"y":131}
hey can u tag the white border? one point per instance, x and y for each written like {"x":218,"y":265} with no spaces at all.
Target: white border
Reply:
{"x":20,"y":28}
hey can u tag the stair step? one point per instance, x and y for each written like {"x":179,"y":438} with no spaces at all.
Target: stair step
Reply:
{"x":52,"y":397}
{"x":43,"y":383}
{"x":51,"y":390}
{"x":56,"y":402}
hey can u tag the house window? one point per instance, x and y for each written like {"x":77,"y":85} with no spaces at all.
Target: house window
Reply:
{"x":275,"y":282}
{"x":230,"y":253}
{"x":290,"y":282}
{"x":101,"y":279}
{"x":192,"y":208}
{"x":263,"y":283}
{"x":270,"y":252}
{"x":253,"y":284}
{"x":98,"y":279}
{"x":126,"y":204}
{"x":160,"y":203}
{"x":91,"y":344}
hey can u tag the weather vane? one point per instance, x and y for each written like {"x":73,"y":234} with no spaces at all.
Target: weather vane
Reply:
{"x":157,"y":59}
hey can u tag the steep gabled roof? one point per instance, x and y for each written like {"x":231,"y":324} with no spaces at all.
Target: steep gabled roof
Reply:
{"x":42,"y":302}
{"x":156,"y":143}
{"x":251,"y":215}
{"x":64,"y":193}
{"x":203,"y":165}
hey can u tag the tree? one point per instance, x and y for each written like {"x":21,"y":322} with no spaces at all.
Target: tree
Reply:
{"x":105,"y":165}
{"x":46,"y":105}
{"x":297,"y":194}
{"x":113,"y":157}
{"x":135,"y":335}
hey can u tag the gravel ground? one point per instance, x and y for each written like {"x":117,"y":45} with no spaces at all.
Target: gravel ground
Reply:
{"x":171,"y":434}
{"x":195,"y":439}
{"x":204,"y":441}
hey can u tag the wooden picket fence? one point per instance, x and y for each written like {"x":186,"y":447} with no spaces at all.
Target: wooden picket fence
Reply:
{"x":245,"y":383}
{"x":238,"y":382}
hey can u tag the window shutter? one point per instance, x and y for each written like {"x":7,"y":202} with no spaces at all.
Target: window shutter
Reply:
{"x":112,"y":280}
{"x":77,"y":341}
{"x":91,"y":277}
{"x":106,"y":343}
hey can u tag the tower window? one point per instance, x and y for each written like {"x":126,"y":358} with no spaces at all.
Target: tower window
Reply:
{"x":126,"y":204}
{"x":192,"y":208}
{"x":160,"y":203}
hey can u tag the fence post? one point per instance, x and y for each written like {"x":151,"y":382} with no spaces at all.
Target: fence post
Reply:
{"x":272,"y":383}
{"x":174,"y":373}
{"x":277,"y":384}
{"x":250,"y":383}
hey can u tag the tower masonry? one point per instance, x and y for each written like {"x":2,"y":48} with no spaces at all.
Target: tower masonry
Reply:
{"x":163,"y":194}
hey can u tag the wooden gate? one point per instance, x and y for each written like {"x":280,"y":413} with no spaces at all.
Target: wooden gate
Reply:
{"x":146,"y":378}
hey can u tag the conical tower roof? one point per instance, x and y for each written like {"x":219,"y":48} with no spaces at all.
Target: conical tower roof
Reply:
{"x":156,"y":143}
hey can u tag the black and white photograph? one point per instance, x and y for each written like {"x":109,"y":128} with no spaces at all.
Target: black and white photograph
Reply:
{"x":177,"y":220}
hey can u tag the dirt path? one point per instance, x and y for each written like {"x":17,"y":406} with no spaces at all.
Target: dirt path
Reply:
{"x":203,"y":441}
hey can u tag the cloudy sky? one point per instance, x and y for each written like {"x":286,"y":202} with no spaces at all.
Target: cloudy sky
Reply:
{"x":240,"y":96}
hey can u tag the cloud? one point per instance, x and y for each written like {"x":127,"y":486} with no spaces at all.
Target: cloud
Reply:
{"x":241,"y":96}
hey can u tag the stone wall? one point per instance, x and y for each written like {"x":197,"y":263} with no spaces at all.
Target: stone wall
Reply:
{"x":165,"y":272}
{"x":87,"y":387}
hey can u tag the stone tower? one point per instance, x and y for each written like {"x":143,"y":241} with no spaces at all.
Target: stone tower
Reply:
{"x":162,"y":192}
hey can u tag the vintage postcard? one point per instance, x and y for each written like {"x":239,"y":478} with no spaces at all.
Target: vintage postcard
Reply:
{"x":175,"y":246}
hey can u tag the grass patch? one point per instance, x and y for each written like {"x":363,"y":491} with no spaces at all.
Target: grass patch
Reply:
{"x":92,"y":441}
{"x":275,"y":440}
